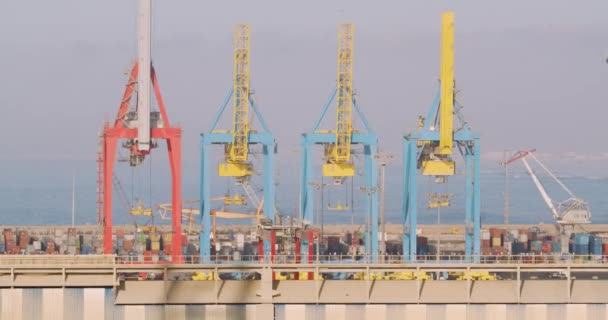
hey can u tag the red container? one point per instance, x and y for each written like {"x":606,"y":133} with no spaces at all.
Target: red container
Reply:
{"x":546,"y":247}
{"x":485,"y":243}
{"x":72,"y":232}
{"x":50,"y":247}
{"x":128,"y":245}
{"x":23,"y":241}
{"x":496,"y":232}
{"x":184,"y":240}
{"x":605,"y":247}
{"x":120,"y":233}
{"x":147,"y":256}
{"x":167,"y":250}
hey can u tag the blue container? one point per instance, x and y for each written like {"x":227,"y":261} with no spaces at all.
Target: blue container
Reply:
{"x":422,"y":250}
{"x":517,"y":248}
{"x":556,"y":247}
{"x":581,"y":249}
{"x":581,"y":238}
{"x":2,"y":247}
{"x":595,"y":245}
{"x":535,"y":245}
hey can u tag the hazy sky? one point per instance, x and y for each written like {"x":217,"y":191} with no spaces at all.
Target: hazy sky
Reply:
{"x":530,"y":73}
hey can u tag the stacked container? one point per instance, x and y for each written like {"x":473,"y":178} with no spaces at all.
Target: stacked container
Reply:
{"x":120,"y":241}
{"x":485,"y":242}
{"x":50,"y":247}
{"x":595,"y":245}
{"x":23,"y":239}
{"x":422,"y":245}
{"x":581,"y":243}
{"x":496,"y":237}
{"x":72,"y":241}
{"x":11,"y":243}
{"x":333,"y":244}
{"x":167,"y":241}
{"x":535,"y":246}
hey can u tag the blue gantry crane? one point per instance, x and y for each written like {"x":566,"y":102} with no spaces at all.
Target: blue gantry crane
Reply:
{"x":430,"y":150}
{"x":237,"y":141}
{"x":338,"y":162}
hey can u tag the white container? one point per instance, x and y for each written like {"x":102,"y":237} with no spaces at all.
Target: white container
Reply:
{"x":37,"y":245}
{"x":58,"y":232}
{"x":523,"y":237}
{"x":507,"y":245}
{"x":218,"y":246}
{"x":129,"y":237}
{"x":514,"y":233}
{"x":236,"y":256}
{"x":71,"y":250}
{"x":240,"y":241}
{"x":58,"y":241}
{"x":485,"y":234}
{"x":154,"y":258}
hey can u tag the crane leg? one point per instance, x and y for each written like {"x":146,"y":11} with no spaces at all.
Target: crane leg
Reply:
{"x":174,"y":146}
{"x":476,"y":202}
{"x":109,"y":155}
{"x":205,"y":208}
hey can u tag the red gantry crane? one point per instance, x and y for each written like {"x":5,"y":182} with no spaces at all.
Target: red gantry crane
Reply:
{"x":141,"y":126}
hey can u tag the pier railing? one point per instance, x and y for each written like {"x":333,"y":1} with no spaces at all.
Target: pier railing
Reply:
{"x":379,"y":259}
{"x":304,"y":259}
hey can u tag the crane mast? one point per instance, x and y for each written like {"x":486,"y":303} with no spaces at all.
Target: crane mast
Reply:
{"x":446,"y":124}
{"x":144,"y":27}
{"x":237,"y":151}
{"x":239,"y":148}
{"x":338,"y":154}
{"x":436,"y":158}
{"x":344,"y":95}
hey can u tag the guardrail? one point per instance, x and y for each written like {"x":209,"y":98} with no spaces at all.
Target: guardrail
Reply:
{"x":557,"y":259}
{"x":379,"y":259}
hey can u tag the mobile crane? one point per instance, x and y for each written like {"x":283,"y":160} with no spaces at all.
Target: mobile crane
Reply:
{"x":567,"y":214}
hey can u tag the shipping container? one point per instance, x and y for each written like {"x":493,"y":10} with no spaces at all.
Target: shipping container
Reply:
{"x":535,"y":246}
{"x":496,"y":241}
{"x":485,"y":234}
{"x":517,"y":248}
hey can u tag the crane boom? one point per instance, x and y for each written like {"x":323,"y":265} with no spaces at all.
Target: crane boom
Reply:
{"x":239,"y":149}
{"x":541,"y":189}
{"x":446,"y":125}
{"x":144,"y":27}
{"x":552,"y":176}
{"x":344,"y":94}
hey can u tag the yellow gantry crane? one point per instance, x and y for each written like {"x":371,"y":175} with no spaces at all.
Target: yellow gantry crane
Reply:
{"x":338,"y":144}
{"x":237,"y":143}
{"x":436,"y":158}
{"x":430,"y":149}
